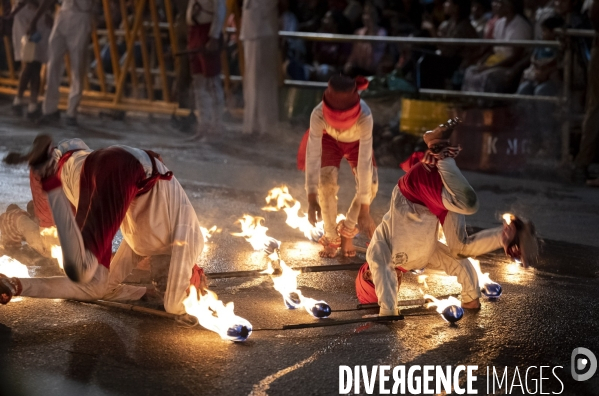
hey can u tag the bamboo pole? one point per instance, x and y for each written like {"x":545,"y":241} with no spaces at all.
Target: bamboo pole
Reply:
{"x":129,"y":57}
{"x":98,"y":56}
{"x":159,"y":52}
{"x":133,"y":308}
{"x":330,"y":322}
{"x":146,"y":64}
{"x":128,"y":33}
{"x":114,"y":55}
{"x":171,"y":31}
{"x":303,"y":270}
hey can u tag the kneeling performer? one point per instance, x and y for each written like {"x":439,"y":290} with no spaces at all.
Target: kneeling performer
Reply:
{"x":434,"y":192}
{"x":114,"y":187}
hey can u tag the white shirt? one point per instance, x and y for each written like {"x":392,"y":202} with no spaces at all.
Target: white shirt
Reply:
{"x":361,"y":130}
{"x":517,"y":29}
{"x":207,"y":11}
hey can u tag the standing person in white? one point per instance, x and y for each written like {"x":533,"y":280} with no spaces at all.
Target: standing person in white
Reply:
{"x":205,"y":19}
{"x":23,"y":12}
{"x":70,"y":34}
{"x":259,"y":22}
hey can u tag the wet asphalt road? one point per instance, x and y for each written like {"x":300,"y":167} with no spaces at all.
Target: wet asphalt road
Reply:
{"x":52,"y":347}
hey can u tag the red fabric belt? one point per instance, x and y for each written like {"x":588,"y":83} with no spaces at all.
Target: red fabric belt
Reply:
{"x":333,"y":151}
{"x":206,"y":63}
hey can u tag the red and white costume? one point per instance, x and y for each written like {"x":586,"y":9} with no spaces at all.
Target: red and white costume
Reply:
{"x":333,"y":135}
{"x":116,"y":187}
{"x":206,"y":19}
{"x":425,"y":198}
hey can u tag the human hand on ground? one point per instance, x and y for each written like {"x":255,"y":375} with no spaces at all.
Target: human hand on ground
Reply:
{"x":365,"y":222}
{"x":314,"y":211}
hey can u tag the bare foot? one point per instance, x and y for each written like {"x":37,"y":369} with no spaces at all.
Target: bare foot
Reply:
{"x":474,"y":304}
{"x":328,"y":252}
{"x":347,"y":247}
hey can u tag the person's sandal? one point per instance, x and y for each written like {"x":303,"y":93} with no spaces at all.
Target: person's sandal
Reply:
{"x":330,"y":247}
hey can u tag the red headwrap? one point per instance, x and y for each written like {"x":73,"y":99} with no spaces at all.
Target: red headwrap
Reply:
{"x":341,"y":101}
{"x":423,"y":185}
{"x":365,"y":289}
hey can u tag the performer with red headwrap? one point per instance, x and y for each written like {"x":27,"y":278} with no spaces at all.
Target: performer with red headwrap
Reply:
{"x":340,"y":127}
{"x":93,"y":193}
{"x":434,"y":193}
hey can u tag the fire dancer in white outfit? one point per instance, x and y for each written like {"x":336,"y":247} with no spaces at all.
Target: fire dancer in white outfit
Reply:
{"x":70,"y":34}
{"x":433,"y":192}
{"x":340,"y":127}
{"x":112,"y":187}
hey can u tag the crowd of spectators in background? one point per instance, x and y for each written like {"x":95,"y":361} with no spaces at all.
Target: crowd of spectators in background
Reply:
{"x":475,"y":68}
{"x":498,"y":69}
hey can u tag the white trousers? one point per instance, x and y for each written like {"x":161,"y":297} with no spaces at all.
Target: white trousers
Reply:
{"x":327,"y":196}
{"x":260,"y":85}
{"x":209,"y":98}
{"x":70,"y":34}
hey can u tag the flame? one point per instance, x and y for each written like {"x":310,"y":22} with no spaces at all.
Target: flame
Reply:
{"x":213,"y":315}
{"x":286,"y":284}
{"x":13,"y":268}
{"x":513,"y":268}
{"x":55,"y":250}
{"x":279,"y":198}
{"x":422,"y":281}
{"x":207,"y":233}
{"x":508,"y":217}
{"x":483,"y":279}
{"x":442,"y":304}
{"x":255,"y":233}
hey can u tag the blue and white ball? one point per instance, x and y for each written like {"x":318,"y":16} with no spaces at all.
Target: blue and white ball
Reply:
{"x":491,"y":290}
{"x":452,"y":313}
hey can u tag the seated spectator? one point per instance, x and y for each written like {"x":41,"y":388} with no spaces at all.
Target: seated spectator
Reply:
{"x":490,"y":26}
{"x":365,"y":56}
{"x":499,"y":68}
{"x":436,"y":69}
{"x":480,"y":14}
{"x":542,"y":79}
{"x":329,"y":57}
